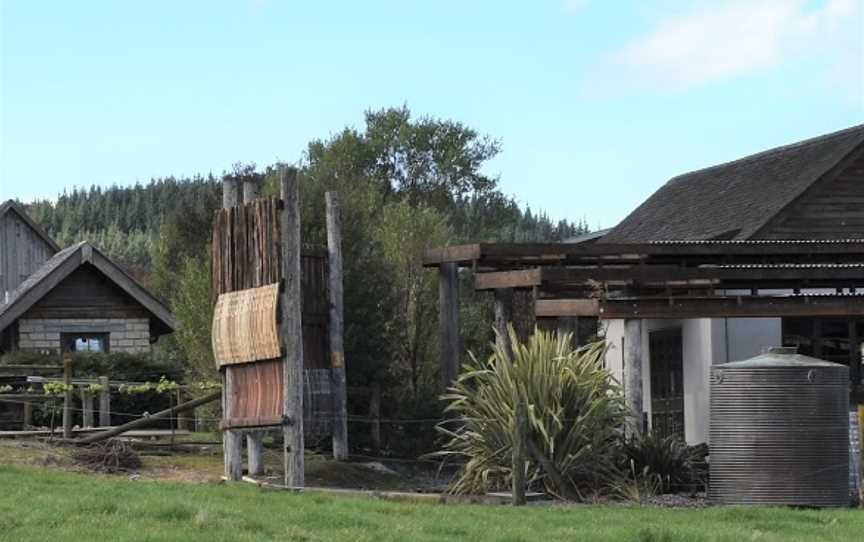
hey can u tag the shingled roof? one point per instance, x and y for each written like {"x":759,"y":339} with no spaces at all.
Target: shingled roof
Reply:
{"x":60,"y":266}
{"x":734,"y":200}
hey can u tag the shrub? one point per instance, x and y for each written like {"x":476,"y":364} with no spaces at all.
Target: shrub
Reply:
{"x":666,"y":463}
{"x":575,"y":409}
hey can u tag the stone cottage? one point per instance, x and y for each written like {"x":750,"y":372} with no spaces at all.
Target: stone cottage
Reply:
{"x":75,"y":299}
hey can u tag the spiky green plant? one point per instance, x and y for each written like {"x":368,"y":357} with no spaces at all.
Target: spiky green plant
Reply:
{"x":575,"y":408}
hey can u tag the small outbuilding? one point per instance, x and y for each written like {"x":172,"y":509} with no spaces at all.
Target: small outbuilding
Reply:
{"x":75,"y":299}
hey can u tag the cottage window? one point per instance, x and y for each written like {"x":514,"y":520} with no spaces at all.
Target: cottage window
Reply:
{"x":84,"y":342}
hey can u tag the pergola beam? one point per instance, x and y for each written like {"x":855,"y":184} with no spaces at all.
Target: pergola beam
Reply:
{"x":706,"y":307}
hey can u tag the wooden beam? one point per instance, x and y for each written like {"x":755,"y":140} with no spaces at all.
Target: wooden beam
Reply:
{"x":448,"y":321}
{"x":250,"y":190}
{"x":522,"y":278}
{"x":336,"y":326}
{"x":104,"y":402}
{"x":292,"y":330}
{"x":461,"y":254}
{"x":554,"y":308}
{"x":230,"y":193}
{"x":255,"y":451}
{"x":735,"y":307}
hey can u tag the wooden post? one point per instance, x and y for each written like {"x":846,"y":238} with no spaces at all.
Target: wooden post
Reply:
{"x":448,"y":321}
{"x":28,"y":415}
{"x":503,"y":309}
{"x":67,"y":397}
{"x":292,"y":330}
{"x":255,"y":452}
{"x":104,"y":402}
{"x":520,"y":437}
{"x":230,"y":195}
{"x":375,"y":417}
{"x":232,"y":440}
{"x":633,"y":372}
{"x":336,"y":326}
{"x":250,"y":191}
{"x":86,"y":407}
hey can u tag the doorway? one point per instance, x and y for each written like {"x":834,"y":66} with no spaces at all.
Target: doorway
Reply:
{"x":666,"y":357}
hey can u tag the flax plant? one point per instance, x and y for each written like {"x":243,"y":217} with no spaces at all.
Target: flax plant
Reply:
{"x":575,"y":408}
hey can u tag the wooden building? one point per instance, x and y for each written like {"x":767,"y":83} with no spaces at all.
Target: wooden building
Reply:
{"x":72,"y":299}
{"x":716,"y":266}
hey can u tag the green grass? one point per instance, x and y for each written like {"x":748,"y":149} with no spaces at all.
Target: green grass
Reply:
{"x":37,"y":504}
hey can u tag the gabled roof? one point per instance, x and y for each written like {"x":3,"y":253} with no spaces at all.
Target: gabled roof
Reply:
{"x":734,"y":200}
{"x":14,"y":207}
{"x":60,"y":266}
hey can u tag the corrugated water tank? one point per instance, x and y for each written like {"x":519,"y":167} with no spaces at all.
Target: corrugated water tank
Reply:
{"x":780,"y":431}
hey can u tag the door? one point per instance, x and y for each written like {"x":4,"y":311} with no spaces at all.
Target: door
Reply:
{"x":667,"y":382}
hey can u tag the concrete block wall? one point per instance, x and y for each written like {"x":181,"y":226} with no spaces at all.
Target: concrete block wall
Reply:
{"x":124,"y":334}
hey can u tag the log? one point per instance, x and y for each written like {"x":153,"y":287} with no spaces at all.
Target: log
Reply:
{"x":375,"y":417}
{"x":147,"y":420}
{"x":86,"y":407}
{"x":292,"y":330}
{"x":336,"y":327}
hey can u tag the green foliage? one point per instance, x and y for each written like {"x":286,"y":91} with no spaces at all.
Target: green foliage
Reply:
{"x":115,"y":365}
{"x":666,"y":463}
{"x":193,"y":307}
{"x":55,"y":388}
{"x":576,"y":415}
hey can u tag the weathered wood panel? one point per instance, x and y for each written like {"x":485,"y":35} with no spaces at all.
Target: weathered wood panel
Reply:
{"x":87,"y":293}
{"x":833,"y":208}
{"x":244,"y":326}
{"x":22,"y":251}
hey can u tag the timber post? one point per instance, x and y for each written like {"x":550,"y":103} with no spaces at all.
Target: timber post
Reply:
{"x":232,"y":440}
{"x":292,"y":330}
{"x":336,"y":326}
{"x":254,"y":439}
{"x":448,"y":321}
{"x":375,"y":417}
{"x":250,"y":190}
{"x":104,"y":402}
{"x":503,"y":308}
{"x":28,"y":415}
{"x":520,"y":438}
{"x":86,"y":407}
{"x":67,"y":397}
{"x":633,"y":372}
{"x":255,"y":452}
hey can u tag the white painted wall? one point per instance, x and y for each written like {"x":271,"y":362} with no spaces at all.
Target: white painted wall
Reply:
{"x":706,"y":341}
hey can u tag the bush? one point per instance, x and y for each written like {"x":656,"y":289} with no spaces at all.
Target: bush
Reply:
{"x":576,"y":415}
{"x":667,"y":464}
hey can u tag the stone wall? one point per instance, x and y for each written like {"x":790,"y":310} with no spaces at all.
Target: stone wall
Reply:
{"x":125,"y":334}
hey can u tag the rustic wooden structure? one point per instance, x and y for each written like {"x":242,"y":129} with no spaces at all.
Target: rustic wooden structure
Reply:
{"x":270,"y":384}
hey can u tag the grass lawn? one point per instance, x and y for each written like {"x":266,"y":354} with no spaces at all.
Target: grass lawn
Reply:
{"x":39,"y":504}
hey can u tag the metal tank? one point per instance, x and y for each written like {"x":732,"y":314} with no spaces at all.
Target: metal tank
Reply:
{"x":780,"y":431}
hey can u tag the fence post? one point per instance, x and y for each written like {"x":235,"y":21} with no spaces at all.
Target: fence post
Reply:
{"x":520,"y":435}
{"x":28,"y":414}
{"x":104,"y":402}
{"x":292,"y":330}
{"x":67,"y":397}
{"x":375,"y":417}
{"x":86,"y":407}
{"x":335,"y":326}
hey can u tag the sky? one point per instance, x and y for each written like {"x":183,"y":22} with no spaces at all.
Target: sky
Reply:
{"x":596,"y":103}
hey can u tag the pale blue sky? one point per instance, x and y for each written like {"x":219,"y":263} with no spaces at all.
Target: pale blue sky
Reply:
{"x":596,"y":102}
